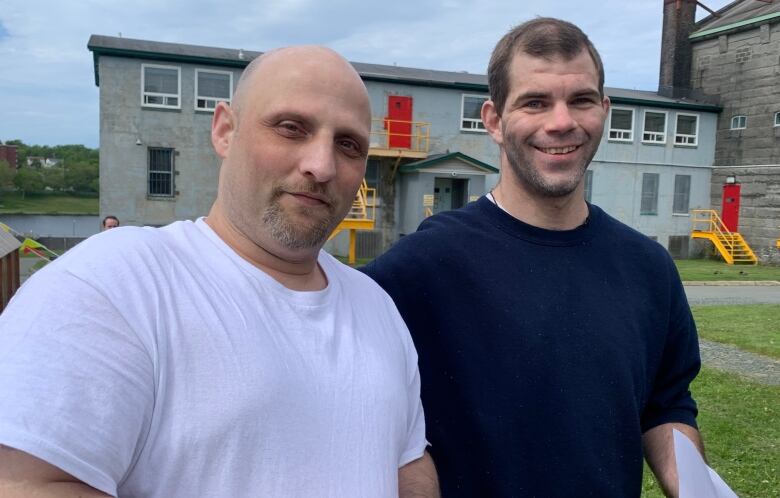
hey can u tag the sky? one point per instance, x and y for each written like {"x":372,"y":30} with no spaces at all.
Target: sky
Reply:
{"x":47,"y":88}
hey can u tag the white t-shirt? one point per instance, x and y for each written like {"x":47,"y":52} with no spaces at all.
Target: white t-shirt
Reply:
{"x":158,"y":363}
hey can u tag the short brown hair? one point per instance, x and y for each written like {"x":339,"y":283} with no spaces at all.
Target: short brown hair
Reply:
{"x":543,"y":37}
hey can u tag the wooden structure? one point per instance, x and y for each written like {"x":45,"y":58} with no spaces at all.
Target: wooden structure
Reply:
{"x":9,"y":267}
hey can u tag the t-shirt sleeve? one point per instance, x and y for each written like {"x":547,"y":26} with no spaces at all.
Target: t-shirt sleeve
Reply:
{"x":76,"y":382}
{"x":670,"y":399}
{"x":416,"y":442}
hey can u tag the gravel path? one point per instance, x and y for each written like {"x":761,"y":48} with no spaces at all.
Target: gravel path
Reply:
{"x":761,"y":369}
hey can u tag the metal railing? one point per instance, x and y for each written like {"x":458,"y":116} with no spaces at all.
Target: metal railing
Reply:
{"x":399,"y":134}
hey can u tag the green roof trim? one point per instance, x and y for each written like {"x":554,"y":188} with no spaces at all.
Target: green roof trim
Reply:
{"x":667,"y":105}
{"x":427,"y":163}
{"x":739,"y":24}
{"x":474,"y":87}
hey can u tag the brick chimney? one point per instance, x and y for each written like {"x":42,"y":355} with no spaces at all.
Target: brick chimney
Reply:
{"x":675,"y":75}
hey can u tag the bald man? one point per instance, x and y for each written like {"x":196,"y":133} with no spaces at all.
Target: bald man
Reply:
{"x":228,"y":356}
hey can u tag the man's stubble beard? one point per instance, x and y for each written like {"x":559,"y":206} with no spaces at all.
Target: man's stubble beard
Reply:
{"x":528,"y":175}
{"x":299,"y":235}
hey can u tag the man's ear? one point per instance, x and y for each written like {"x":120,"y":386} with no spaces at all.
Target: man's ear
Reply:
{"x":605,"y":103}
{"x":223,"y":125}
{"x":492,"y":121}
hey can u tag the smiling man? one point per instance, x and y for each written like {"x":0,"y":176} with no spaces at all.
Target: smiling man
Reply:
{"x":230,"y":356}
{"x":555,"y":342}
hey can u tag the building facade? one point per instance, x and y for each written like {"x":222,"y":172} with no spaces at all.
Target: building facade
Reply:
{"x":429,"y":151}
{"x":732,"y":55}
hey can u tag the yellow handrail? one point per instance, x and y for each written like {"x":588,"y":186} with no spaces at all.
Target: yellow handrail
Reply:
{"x":714,"y":224}
{"x":419,"y":135}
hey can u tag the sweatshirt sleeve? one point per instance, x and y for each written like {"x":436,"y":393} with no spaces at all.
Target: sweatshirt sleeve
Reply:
{"x":670,"y":398}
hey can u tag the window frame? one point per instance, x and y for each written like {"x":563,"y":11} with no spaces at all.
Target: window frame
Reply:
{"x":478,"y":124}
{"x":738,"y":118}
{"x":643,"y":195}
{"x":645,"y":131}
{"x":630,"y":131}
{"x":172,"y":173}
{"x":676,"y":194}
{"x":144,"y":93}
{"x":216,"y":100}
{"x":777,"y":119}
{"x":677,"y":135}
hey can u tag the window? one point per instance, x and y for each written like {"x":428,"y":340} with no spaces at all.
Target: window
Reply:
{"x":682,"y":194}
{"x":686,"y":130}
{"x":160,"y":86}
{"x":649,"y":194}
{"x":777,"y":119}
{"x":161,"y":172}
{"x":470,"y":112}
{"x":655,"y":127}
{"x":739,"y":122}
{"x":588,"y":185}
{"x":212,"y":87}
{"x":621,"y":124}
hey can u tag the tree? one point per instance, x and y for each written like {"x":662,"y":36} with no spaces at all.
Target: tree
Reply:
{"x":7,"y":174}
{"x":29,"y":181}
{"x":54,"y":178}
{"x":81,"y":177}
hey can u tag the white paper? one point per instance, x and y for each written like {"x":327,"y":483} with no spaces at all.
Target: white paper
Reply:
{"x":697,"y":480}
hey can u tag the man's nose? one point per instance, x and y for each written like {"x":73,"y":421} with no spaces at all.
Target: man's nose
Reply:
{"x":560,"y":119}
{"x":319,"y":159}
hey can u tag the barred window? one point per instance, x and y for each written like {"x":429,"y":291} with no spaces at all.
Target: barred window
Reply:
{"x":161,"y":171}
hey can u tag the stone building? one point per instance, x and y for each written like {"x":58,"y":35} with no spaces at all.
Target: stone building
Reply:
{"x":734,"y":55}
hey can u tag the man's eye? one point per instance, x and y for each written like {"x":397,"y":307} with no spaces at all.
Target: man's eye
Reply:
{"x":289,"y":128}
{"x":534,"y":104}
{"x":350,"y":146}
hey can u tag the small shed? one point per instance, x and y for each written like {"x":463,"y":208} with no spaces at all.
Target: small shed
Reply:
{"x":9,"y":267}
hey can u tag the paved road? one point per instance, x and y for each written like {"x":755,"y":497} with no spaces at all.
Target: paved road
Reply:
{"x":732,"y":294}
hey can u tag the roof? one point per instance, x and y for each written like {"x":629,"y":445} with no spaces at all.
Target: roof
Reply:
{"x":737,"y":16}
{"x":8,"y":243}
{"x":239,"y":58}
{"x":436,"y":159}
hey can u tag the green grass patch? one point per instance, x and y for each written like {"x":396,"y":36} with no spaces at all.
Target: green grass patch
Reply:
{"x":709,"y":270}
{"x":740,"y":424}
{"x":14,"y":203}
{"x":751,"y":327}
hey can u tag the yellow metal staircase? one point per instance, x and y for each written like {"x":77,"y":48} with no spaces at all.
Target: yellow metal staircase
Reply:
{"x":360,"y":217}
{"x":731,"y":245}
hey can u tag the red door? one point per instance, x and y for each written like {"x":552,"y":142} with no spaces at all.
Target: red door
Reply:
{"x":729,"y":212}
{"x":399,"y":122}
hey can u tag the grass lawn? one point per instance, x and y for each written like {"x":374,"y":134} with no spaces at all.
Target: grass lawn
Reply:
{"x":750,"y":327}
{"x":358,"y":261}
{"x":740,"y":424}
{"x":708,"y":270}
{"x":13,"y":203}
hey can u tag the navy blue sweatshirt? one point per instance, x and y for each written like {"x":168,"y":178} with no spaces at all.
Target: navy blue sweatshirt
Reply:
{"x":544,"y":355}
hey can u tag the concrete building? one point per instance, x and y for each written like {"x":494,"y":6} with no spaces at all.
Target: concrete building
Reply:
{"x":429,"y":151}
{"x":732,"y":55}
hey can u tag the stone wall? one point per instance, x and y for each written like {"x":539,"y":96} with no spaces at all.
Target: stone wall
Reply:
{"x":743,"y":69}
{"x":759,"y":213}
